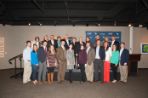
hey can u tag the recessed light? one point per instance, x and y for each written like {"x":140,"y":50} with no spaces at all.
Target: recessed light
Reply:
{"x":29,"y":24}
{"x":129,"y":25}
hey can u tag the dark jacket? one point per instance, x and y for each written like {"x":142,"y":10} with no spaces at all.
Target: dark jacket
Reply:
{"x":75,"y":47}
{"x":50,"y":43}
{"x":82,"y":57}
{"x":66,"y":44}
{"x":115,"y":43}
{"x":90,"y":56}
{"x":101,"y":53}
{"x":42,"y":55}
{"x":124,"y":57}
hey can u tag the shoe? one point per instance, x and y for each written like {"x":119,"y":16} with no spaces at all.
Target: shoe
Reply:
{"x":114,"y":81}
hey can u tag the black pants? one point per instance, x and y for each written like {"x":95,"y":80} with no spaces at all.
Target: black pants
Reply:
{"x":98,"y":65}
{"x":114,"y":69}
{"x":70,"y":75}
{"x":83,"y":75}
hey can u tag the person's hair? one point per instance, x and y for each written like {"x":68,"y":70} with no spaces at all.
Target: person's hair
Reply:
{"x":71,"y":44}
{"x":107,"y":46}
{"x":28,"y":41}
{"x":44,"y":41}
{"x":113,"y":35}
{"x":115,"y":46}
{"x":58,"y":37}
{"x":62,"y":40}
{"x":37,"y":37}
{"x":88,"y":42}
{"x":123,"y":43}
{"x":82,"y":46}
{"x":50,"y":49}
{"x":97,"y":40}
{"x":34,"y":46}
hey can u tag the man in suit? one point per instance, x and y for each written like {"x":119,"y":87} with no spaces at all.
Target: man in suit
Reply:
{"x":52,"y":41}
{"x":62,"y":62}
{"x":114,"y":42}
{"x":67,"y":42}
{"x":124,"y":55}
{"x":90,"y":59}
{"x":42,"y":57}
{"x":98,"y":62}
{"x":75,"y":48}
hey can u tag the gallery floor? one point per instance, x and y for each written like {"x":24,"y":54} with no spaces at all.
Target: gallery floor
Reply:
{"x":137,"y":87}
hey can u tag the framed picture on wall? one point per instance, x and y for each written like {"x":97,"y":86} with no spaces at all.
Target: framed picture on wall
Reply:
{"x":144,"y":48}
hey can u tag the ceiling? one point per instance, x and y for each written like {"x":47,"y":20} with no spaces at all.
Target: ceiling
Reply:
{"x":74,"y":12}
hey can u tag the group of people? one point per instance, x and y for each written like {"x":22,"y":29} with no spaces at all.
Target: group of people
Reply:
{"x":95,"y":60}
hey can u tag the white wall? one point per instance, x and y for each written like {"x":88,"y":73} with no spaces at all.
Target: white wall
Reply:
{"x":15,"y":37}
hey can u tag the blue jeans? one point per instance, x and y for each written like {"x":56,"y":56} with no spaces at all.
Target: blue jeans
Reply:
{"x":34,"y":72}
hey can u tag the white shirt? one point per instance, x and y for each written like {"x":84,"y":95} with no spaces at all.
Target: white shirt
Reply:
{"x":27,"y":54}
{"x":52,"y":42}
{"x":87,"y":50}
{"x":45,"y":48}
{"x":67,"y":42}
{"x":108,"y":54}
{"x":97,"y":53}
{"x":121,"y":51}
{"x":112,"y":43}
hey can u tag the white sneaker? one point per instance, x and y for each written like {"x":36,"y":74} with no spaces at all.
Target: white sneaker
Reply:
{"x":114,"y":81}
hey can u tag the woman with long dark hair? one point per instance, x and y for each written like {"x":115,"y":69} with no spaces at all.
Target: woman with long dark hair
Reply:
{"x":114,"y":62}
{"x":51,"y":63}
{"x":34,"y":63}
{"x":82,"y":60}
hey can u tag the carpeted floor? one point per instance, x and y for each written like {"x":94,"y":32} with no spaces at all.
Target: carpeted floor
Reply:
{"x":137,"y":87}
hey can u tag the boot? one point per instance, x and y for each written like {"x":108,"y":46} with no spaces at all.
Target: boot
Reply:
{"x":49,"y":78}
{"x":52,"y":77}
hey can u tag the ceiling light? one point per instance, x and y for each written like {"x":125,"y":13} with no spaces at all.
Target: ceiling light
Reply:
{"x":140,"y":25}
{"x":29,"y":24}
{"x":129,"y":25}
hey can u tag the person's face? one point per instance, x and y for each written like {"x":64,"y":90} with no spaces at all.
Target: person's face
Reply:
{"x":52,"y":47}
{"x":113,"y":37}
{"x":29,"y":44}
{"x":70,"y":46}
{"x":82,"y":47}
{"x":105,"y":44}
{"x":80,"y":39}
{"x":122,"y":45}
{"x":37,"y":39}
{"x":106,"y":38}
{"x":66,"y":37}
{"x":45,"y":44}
{"x":87,"y":39}
{"x":114,"y":47}
{"x":35,"y":48}
{"x":97,"y":37}
{"x":88,"y":45}
{"x":51,"y":37}
{"x":74,"y":40}
{"x":59,"y":38}
{"x":98,"y":43}
{"x":46,"y":37}
{"x":63,"y":43}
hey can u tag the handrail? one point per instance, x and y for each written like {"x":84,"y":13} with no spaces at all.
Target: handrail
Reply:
{"x":16,"y":75}
{"x":15,"y":57}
